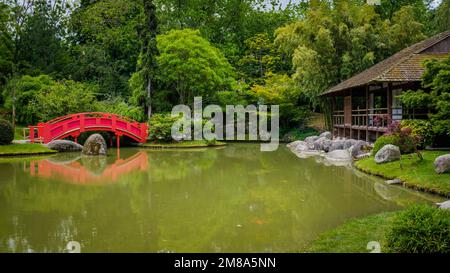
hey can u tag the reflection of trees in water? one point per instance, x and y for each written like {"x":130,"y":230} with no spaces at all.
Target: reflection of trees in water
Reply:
{"x":180,"y":164}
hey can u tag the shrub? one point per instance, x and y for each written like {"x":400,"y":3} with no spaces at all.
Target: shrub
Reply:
{"x":382,"y":141}
{"x":399,"y":136}
{"x":160,"y":127}
{"x":298,"y":134}
{"x":120,"y":107}
{"x":420,"y":229}
{"x":6,"y":132}
{"x":422,"y":129}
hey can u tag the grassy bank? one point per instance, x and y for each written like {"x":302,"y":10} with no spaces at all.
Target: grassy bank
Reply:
{"x":24,"y":149}
{"x":183,"y":144}
{"x":354,"y":235}
{"x":415,"y":173}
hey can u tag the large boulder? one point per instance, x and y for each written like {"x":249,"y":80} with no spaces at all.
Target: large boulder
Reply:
{"x":64,"y":146}
{"x":310,"y":141}
{"x":349,"y":143}
{"x":444,"y":205}
{"x":301,"y":147}
{"x":337,"y":144}
{"x":388,"y":153}
{"x":442,"y":164}
{"x":322,"y":144}
{"x":359,"y":148}
{"x":298,"y":146}
{"x":294,"y":144}
{"x":95,"y":145}
{"x":328,"y":135}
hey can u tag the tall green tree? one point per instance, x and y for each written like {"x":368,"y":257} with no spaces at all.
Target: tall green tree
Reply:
{"x":40,"y":46}
{"x":37,"y":30}
{"x":191,"y":66}
{"x":149,"y":51}
{"x":106,"y":43}
{"x":442,"y":17}
{"x":261,"y":57}
{"x":6,"y":45}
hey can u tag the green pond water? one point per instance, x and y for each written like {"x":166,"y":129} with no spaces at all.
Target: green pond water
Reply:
{"x":232,"y":199}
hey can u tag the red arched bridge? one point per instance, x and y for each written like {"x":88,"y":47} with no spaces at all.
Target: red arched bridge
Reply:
{"x":75,"y":124}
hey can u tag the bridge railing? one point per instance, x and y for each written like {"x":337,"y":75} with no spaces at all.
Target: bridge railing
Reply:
{"x":75,"y":124}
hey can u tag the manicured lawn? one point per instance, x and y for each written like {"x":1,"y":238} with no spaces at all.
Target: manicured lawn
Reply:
{"x":24,"y":149}
{"x":183,"y":144}
{"x":414,"y":172}
{"x":354,"y":235}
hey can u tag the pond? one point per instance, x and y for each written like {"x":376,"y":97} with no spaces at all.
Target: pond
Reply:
{"x":232,"y":199}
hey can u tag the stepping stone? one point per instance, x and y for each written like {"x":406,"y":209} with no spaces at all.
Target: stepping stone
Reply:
{"x":394,"y":182}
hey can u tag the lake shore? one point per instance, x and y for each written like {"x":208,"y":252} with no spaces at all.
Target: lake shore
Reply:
{"x":28,"y":149}
{"x":354,"y":235}
{"x":414,"y":173}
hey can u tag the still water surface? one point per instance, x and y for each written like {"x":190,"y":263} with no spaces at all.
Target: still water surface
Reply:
{"x":233,"y":199}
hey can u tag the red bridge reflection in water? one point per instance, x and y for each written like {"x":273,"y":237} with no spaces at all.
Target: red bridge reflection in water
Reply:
{"x":76,"y":173}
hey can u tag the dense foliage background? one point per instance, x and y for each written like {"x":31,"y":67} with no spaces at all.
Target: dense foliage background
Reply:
{"x":139,"y":57}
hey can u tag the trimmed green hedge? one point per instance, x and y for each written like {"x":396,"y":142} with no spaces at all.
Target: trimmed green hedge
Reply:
{"x":382,"y":141}
{"x":6,"y":132}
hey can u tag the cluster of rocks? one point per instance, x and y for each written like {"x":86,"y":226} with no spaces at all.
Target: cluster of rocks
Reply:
{"x":336,"y":150}
{"x":94,"y":145}
{"x":343,"y":150}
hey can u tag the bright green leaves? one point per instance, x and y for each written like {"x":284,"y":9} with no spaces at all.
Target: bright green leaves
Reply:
{"x":191,"y":66}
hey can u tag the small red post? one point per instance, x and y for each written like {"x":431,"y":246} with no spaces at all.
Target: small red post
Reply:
{"x":118,"y":141}
{"x":110,"y":141}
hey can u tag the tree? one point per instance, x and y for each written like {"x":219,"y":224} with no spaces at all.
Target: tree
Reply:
{"x":40,"y":48}
{"x":442,"y":19}
{"x":227,"y":24}
{"x":334,"y":42}
{"x":389,"y":7}
{"x":42,"y":98}
{"x":437,"y":79}
{"x":106,"y":44}
{"x":191,"y":66}
{"x":261,"y":57}
{"x":279,"y":89}
{"x":149,"y":51}
{"x":6,"y":45}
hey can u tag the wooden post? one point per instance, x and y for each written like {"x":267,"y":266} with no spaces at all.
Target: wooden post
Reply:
{"x":367,"y":113}
{"x":118,"y":141}
{"x":389,"y":100}
{"x":32,"y":134}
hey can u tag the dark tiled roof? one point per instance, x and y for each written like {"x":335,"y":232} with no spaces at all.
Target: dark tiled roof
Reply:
{"x":406,"y":65}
